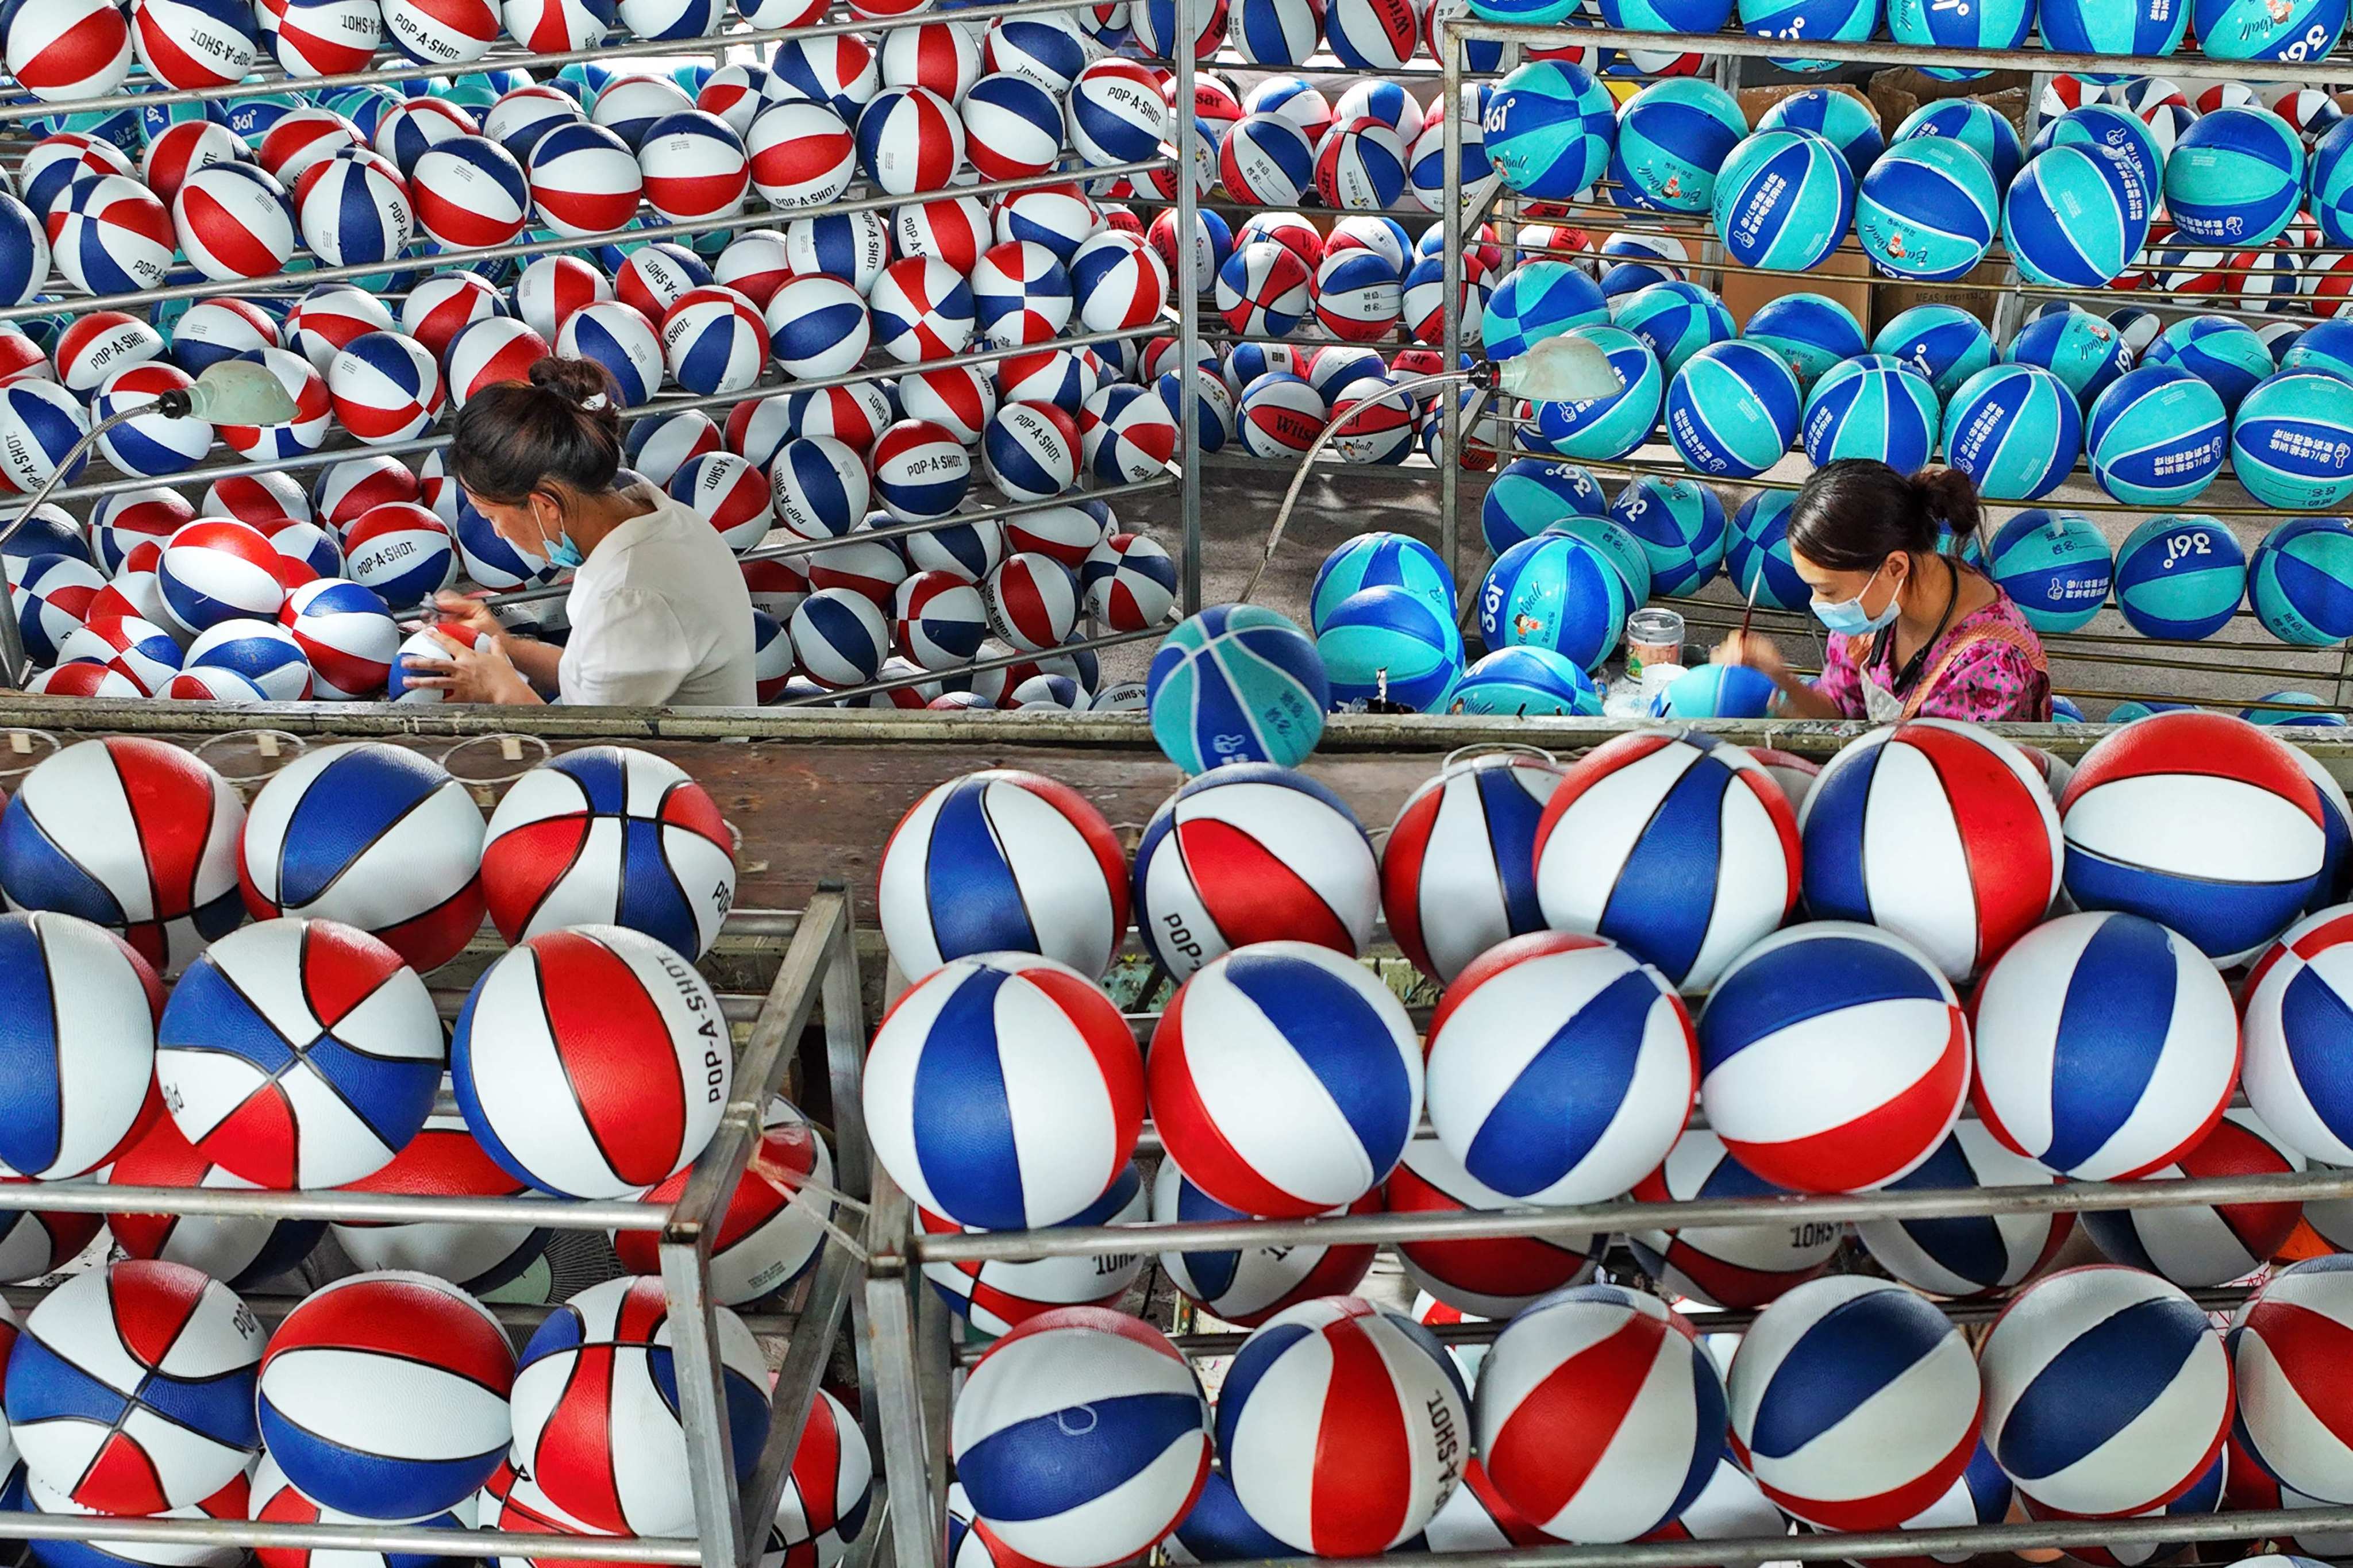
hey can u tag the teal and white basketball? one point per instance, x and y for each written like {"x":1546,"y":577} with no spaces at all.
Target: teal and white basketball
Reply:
{"x":1803,"y":21}
{"x":1977,"y":25}
{"x":1673,"y":136}
{"x":1757,"y":542}
{"x":2109,"y":126}
{"x":2301,"y":581}
{"x":2294,"y":708}
{"x":2113,"y":27}
{"x":1811,"y":332}
{"x":2268,"y":29}
{"x":1237,"y":683}
{"x":2156,"y":437}
{"x":1943,"y":344}
{"x":2235,"y":178}
{"x":2180,"y":578}
{"x":2016,"y":430}
{"x":1554,"y":593}
{"x":1379,"y":561}
{"x":1676,"y":320}
{"x":1872,"y":407}
{"x":2325,"y":347}
{"x":1549,"y":129}
{"x":1531,"y":495}
{"x":2076,"y":216}
{"x":2083,"y":350}
{"x":2225,"y":354}
{"x":1731,"y":411}
{"x":1389,"y":645}
{"x":1681,"y":526}
{"x":1715,"y":691}
{"x":1618,"y":547}
{"x":1535,"y":301}
{"x":2055,"y":567}
{"x":1927,"y":211}
{"x":1604,"y":429}
{"x":1784,"y":200}
{"x":1525,"y":683}
{"x":2291,"y":443}
{"x":2328,"y":184}
{"x":1846,"y":120}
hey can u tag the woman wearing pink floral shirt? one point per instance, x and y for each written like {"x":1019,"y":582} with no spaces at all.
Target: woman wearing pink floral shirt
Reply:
{"x":1914,"y":632}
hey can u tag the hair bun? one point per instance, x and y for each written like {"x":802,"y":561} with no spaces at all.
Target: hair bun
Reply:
{"x":582,"y":383}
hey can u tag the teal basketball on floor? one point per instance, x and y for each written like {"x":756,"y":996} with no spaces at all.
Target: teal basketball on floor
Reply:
{"x":2292,"y":708}
{"x":1554,"y":593}
{"x":2328,"y":184}
{"x":1980,"y":127}
{"x":1549,"y":129}
{"x":1604,"y":429}
{"x":1531,"y":495}
{"x":1927,"y":210}
{"x":1873,"y":408}
{"x":1388,"y":645}
{"x":2113,"y":27}
{"x":1681,"y":526}
{"x":2083,"y":351}
{"x":2225,"y":354}
{"x":1676,"y":320}
{"x":2235,"y":178}
{"x":2055,"y":566}
{"x":1618,"y":547}
{"x":1943,"y":343}
{"x":2180,"y":577}
{"x":2268,"y":29}
{"x":1715,"y":691}
{"x":2016,"y":430}
{"x":2291,"y":443}
{"x":2156,"y":437}
{"x":2301,"y":581}
{"x":2109,"y":126}
{"x":1978,"y":25}
{"x":1757,"y":540}
{"x":1784,"y":200}
{"x":1846,"y":122}
{"x":1379,"y":561}
{"x":1839,"y":21}
{"x":1733,"y":410}
{"x":1535,"y":301}
{"x":1525,"y":683}
{"x":1237,"y":683}
{"x":1811,"y":332}
{"x":2324,"y":346}
{"x":2076,"y":216}
{"x":1673,"y":136}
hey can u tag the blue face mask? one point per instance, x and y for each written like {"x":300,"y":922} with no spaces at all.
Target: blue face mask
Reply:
{"x":562,"y":554}
{"x":1848,"y":617}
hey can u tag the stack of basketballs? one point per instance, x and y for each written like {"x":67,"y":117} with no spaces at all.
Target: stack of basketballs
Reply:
{"x":1618,"y":941}
{"x":148,"y":1034}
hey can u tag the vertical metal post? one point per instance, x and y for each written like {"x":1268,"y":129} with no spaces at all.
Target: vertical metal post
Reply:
{"x":1449,"y":411}
{"x":702,"y":1398}
{"x":845,"y":1057}
{"x":917,"y":1527}
{"x":1189,"y":311}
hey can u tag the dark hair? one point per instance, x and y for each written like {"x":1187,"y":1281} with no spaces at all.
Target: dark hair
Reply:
{"x":564,"y":424}
{"x":1855,"y":512}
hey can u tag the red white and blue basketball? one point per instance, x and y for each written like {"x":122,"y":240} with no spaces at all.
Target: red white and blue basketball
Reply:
{"x":910,"y":141}
{"x":1021,"y":295}
{"x":994,"y":1296}
{"x":2233,"y":886}
{"x":54,"y":594}
{"x":1323,"y":1398}
{"x":1030,"y":452}
{"x":442,"y":33}
{"x":1727,"y":1266}
{"x":1276,"y":32}
{"x":444,"y":1161}
{"x":714,"y":340}
{"x":444,"y":305}
{"x":819,"y":487}
{"x":470,"y":193}
{"x":2095,"y":1424}
{"x":1129,"y":582}
{"x":1451,"y":885}
{"x":405,"y":132}
{"x":217,"y":569}
{"x":354,"y":207}
{"x":841,"y":638}
{"x":1248,"y":1285}
{"x":233,"y":222}
{"x":1952,"y":1257}
{"x":584,"y":179}
{"x":1128,"y":434}
{"x":1613,"y":852}
{"x":923,"y":310}
{"x":210,"y":683}
{"x":1081,"y":1437}
{"x":140,"y":651}
{"x":1115,"y":113}
{"x":1981,"y":849}
{"x":2285,"y":1378}
{"x":695,"y":167}
{"x":131,"y":1387}
{"x":818,"y":326}
{"x":346,"y":634}
{"x":1268,"y":159}
{"x":1360,"y":165}
{"x":240,"y":1251}
{"x":1624,"y":1374}
{"x":1489,"y":1275}
{"x":2292,"y":1024}
{"x":264,"y":652}
{"x":78,"y":1038}
{"x":1902,"y":1428}
{"x":802,"y":155}
{"x":148,"y":446}
{"x":81,"y":48}
{"x":330,"y":317}
{"x":2198,"y":1246}
{"x":1119,"y":281}
{"x":774,"y":1224}
{"x":385,"y":386}
{"x":921,"y":471}
{"x":1032,"y":602}
{"x":488,"y":351}
{"x":109,"y":235}
{"x":551,"y":289}
{"x":615,"y":336}
{"x":370,"y":836}
{"x":402,"y":551}
{"x":728,"y":493}
{"x":314,"y":415}
{"x":2125,"y":994}
{"x":1342,"y":1034}
{"x":58,"y":161}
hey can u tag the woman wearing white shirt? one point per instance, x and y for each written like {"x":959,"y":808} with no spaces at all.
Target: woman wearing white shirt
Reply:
{"x":660,"y":615}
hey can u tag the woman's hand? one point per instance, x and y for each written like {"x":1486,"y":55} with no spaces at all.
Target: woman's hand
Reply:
{"x":1755,"y":650}
{"x":482,"y":673}
{"x":467,"y":611}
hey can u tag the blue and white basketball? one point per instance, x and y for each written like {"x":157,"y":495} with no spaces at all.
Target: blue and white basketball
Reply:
{"x":1525,"y":682}
{"x":1732,"y":410}
{"x":1376,"y":560}
{"x":1675,"y":320}
{"x":1390,"y":645}
{"x":1904,"y":1428}
{"x":1555,"y":592}
{"x":2108,"y":27}
{"x":1538,"y":300}
{"x":1757,"y":542}
{"x":2225,"y":354}
{"x":1673,"y":136}
{"x":1943,"y":344}
{"x":2291,"y":443}
{"x":1873,"y":408}
{"x":1784,"y":200}
{"x":1549,"y":129}
{"x":2055,"y":567}
{"x":2180,"y":577}
{"x":2156,"y":437}
{"x":1532,"y":494}
{"x":1842,"y":119}
{"x":2236,"y":177}
{"x":1811,"y":332}
{"x":2016,"y":430}
{"x":1968,"y":1257}
{"x":2077,"y":216}
{"x":1605,"y":429}
{"x":1237,"y":683}
{"x":1929,"y":209}
{"x":1996,"y":25}
{"x":2093,"y":1423}
{"x":1680,"y":525}
{"x":2300,"y":581}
